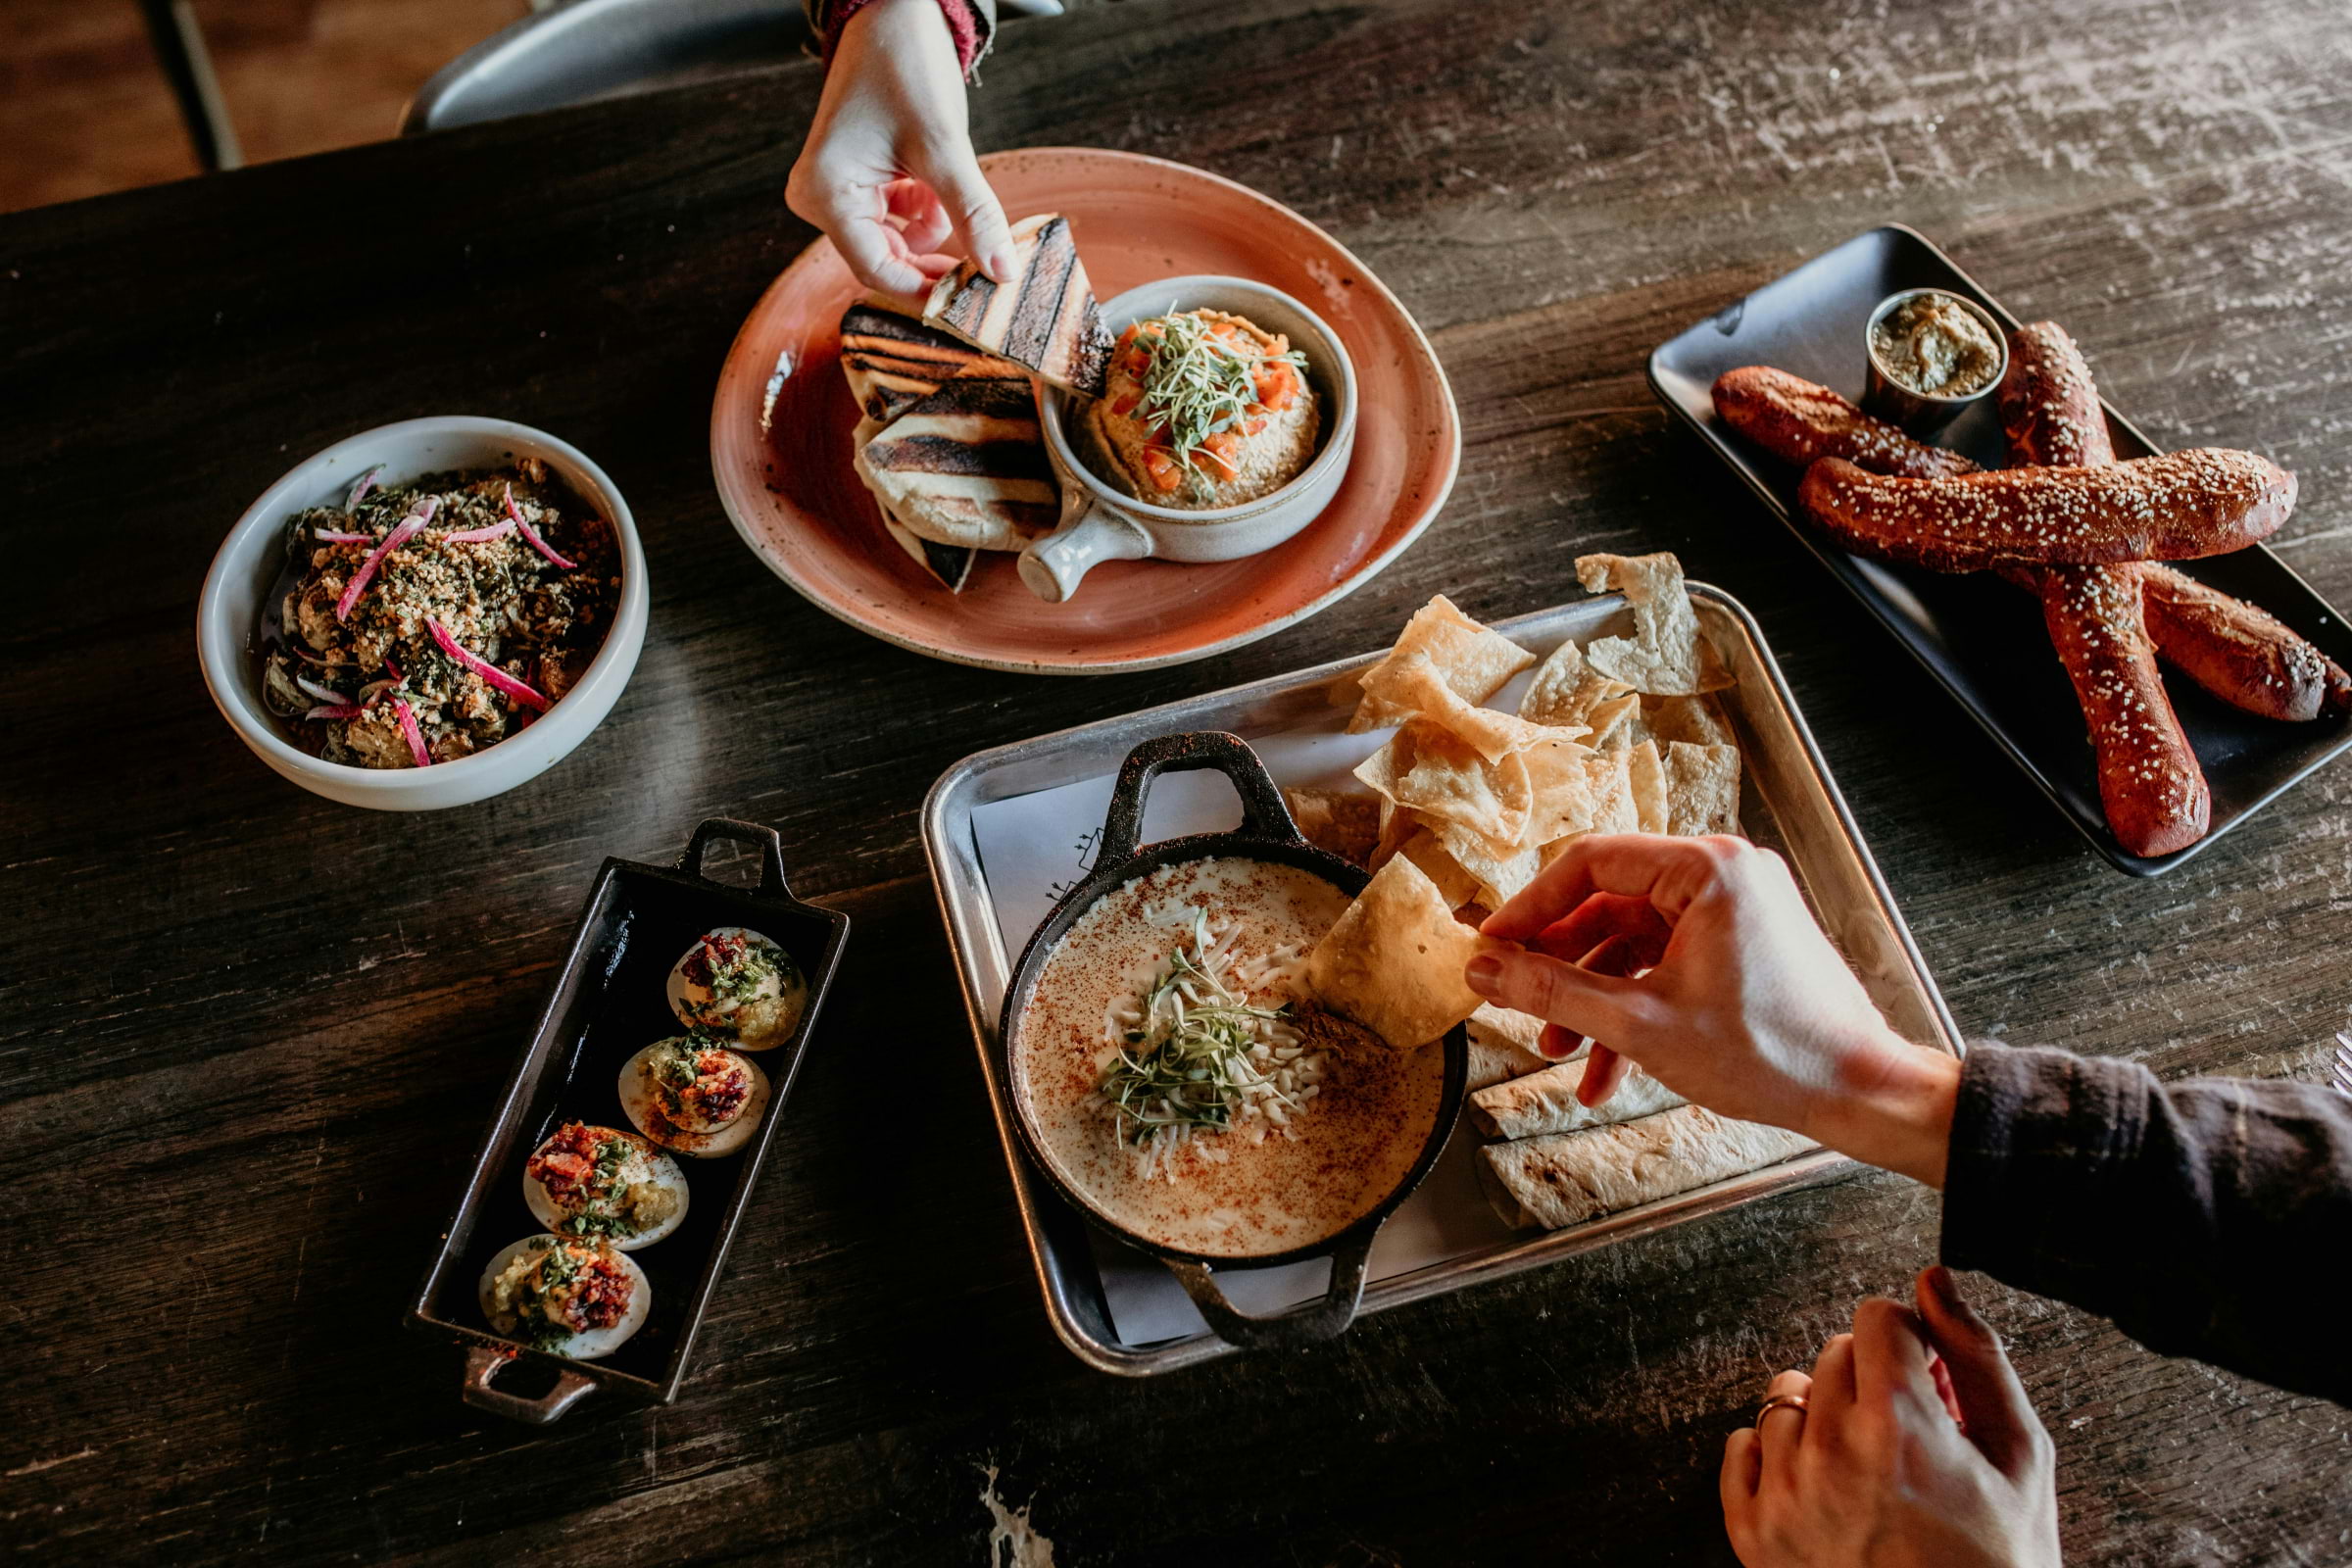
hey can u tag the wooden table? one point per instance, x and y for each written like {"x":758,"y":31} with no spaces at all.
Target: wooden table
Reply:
{"x":249,"y":1038}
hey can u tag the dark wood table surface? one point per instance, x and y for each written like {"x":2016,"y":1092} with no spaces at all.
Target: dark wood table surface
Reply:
{"x":248,"y":1039}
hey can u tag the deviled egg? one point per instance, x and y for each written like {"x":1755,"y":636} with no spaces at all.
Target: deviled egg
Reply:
{"x":569,"y":1295}
{"x":693,"y":1096}
{"x":599,"y":1181}
{"x":740,"y":985}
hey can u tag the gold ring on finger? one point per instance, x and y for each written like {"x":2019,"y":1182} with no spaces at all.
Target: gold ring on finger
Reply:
{"x":1792,"y":1401}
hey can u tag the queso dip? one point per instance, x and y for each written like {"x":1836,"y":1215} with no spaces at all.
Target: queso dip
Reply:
{"x":1175,"y":1083}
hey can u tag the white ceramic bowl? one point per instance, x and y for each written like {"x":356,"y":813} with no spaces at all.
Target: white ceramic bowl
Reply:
{"x":1101,"y":522}
{"x":228,"y":614}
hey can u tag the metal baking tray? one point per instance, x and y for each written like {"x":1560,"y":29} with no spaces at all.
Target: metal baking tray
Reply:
{"x":1983,"y":640}
{"x":1789,"y":802}
{"x":606,"y":1003}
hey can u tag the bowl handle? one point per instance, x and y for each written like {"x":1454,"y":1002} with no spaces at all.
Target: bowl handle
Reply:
{"x":1090,"y":534}
{"x":482,"y":1363}
{"x":763,"y":839}
{"x":1300,"y":1325}
{"x":1263,"y":814}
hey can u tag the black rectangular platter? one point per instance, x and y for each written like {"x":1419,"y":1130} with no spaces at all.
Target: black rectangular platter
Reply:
{"x":607,"y":1003}
{"x":1983,"y":640}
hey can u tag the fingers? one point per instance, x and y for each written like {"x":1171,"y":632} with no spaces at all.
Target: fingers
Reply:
{"x":1558,"y":993}
{"x":1993,"y":1408}
{"x":1831,"y":1404}
{"x":867,"y":243}
{"x":1890,"y":1354}
{"x":918,"y":215}
{"x":1944,"y":1391}
{"x":1742,"y":1467}
{"x":1614,"y":955}
{"x":1780,"y":1430}
{"x":1556,"y":1043}
{"x":1604,"y":915}
{"x":1604,"y":1070}
{"x":1667,"y":872}
{"x":973,"y":208}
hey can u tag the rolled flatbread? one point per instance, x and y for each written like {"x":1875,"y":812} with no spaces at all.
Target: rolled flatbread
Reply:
{"x":1544,"y":1103}
{"x":1502,"y":1045}
{"x":1568,"y":1178}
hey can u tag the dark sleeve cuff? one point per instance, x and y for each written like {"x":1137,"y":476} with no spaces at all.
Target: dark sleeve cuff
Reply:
{"x":2036,"y":1138}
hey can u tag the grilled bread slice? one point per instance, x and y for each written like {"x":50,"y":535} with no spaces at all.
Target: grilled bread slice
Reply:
{"x":894,"y":361}
{"x":965,"y":466}
{"x":1042,"y":317}
{"x":950,"y":566}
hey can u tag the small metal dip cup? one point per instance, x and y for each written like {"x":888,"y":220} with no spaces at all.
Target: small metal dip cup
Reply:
{"x":1918,"y":413}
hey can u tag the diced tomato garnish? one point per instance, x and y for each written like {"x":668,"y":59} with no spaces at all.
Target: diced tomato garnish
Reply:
{"x":1161,"y":468}
{"x":1221,"y":450}
{"x":1254,"y":426}
{"x":1275,"y":384}
{"x":1127,"y":404}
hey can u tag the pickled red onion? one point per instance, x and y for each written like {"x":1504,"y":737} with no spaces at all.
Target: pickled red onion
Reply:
{"x":481,"y":536}
{"x":360,"y":486}
{"x":408,"y":727}
{"x":530,"y":533}
{"x":314,"y":689}
{"x":334,"y":710}
{"x":484,"y":669}
{"x":339,"y":536}
{"x":418,"y":515}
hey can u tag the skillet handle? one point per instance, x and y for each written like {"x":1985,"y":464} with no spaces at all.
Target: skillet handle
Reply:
{"x":1300,"y":1325}
{"x":481,"y":1365}
{"x":763,"y":839}
{"x":1263,"y":814}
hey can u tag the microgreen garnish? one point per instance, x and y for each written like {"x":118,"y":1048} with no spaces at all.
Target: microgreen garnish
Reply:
{"x":1188,"y":1061}
{"x":1195,"y":382}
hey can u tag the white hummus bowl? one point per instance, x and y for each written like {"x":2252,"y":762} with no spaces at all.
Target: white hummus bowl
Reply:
{"x":1102,"y":522}
{"x":228,"y":613}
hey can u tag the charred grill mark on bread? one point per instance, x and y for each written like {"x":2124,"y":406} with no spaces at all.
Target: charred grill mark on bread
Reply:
{"x":1044,"y":316}
{"x":894,"y":361}
{"x":966,"y":467}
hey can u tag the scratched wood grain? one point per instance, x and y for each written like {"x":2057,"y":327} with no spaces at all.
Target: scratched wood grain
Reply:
{"x":248,"y":1039}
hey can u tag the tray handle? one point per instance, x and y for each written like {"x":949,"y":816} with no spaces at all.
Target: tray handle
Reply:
{"x":763,"y":839}
{"x":1300,"y":1325}
{"x":1263,"y":813}
{"x":482,"y":1363}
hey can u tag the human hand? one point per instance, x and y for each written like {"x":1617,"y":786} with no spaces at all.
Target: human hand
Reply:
{"x":1745,"y":1009}
{"x":1916,"y":1448}
{"x":888,"y":170}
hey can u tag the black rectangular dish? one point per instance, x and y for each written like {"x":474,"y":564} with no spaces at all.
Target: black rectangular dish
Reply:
{"x":608,"y":1000}
{"x":1980,"y":639}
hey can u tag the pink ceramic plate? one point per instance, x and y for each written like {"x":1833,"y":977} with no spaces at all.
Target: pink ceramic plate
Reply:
{"x":780,"y":437}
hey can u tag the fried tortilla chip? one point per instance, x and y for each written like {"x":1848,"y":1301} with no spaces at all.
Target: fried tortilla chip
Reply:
{"x":1455,"y":884}
{"x":1496,"y":871}
{"x":1608,"y":775}
{"x":1473,"y":660}
{"x":1566,"y":690}
{"x":1415,"y":687}
{"x":1666,"y":655}
{"x":1646,"y":777}
{"x":1393,"y":962}
{"x":1702,"y":789}
{"x":1436,"y":773}
{"x":1696,"y":719}
{"x":1559,"y":791}
{"x":1343,"y":821}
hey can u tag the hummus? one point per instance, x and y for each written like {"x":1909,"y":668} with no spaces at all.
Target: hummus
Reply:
{"x":1936,"y":346}
{"x":1204,"y":410}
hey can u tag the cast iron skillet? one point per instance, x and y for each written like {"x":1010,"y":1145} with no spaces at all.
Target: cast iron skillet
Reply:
{"x":1267,"y":834}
